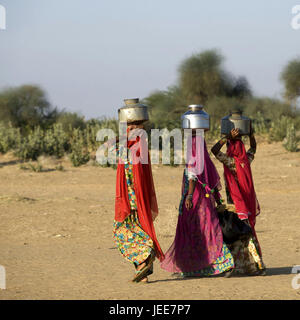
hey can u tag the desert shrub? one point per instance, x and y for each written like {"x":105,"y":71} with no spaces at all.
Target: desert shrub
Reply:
{"x":31,"y":146}
{"x":291,"y":141}
{"x":270,"y":109}
{"x":279,"y":128}
{"x":30,"y":166}
{"x":260,"y":124}
{"x":9,"y":138}
{"x":56,"y":141}
{"x":36,"y":168}
{"x":92,"y":128}
{"x":79,"y":154}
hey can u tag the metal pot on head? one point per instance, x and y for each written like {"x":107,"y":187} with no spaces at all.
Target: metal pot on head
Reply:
{"x":133,"y":111}
{"x":236,"y":120}
{"x":195,"y":118}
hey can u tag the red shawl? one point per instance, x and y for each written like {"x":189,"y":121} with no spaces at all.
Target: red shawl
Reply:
{"x":241,"y":189}
{"x":145,"y":195}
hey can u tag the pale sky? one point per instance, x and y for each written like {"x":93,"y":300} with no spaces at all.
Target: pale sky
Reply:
{"x":89,"y":55}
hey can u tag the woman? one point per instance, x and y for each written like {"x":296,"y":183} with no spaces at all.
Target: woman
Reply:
{"x":241,"y":198}
{"x":136,"y":207}
{"x":198,"y":248}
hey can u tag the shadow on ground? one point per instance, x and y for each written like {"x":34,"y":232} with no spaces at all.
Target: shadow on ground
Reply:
{"x":270,"y":272}
{"x":10,"y":163}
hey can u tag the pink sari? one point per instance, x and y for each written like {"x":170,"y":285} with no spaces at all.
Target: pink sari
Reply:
{"x":198,"y":241}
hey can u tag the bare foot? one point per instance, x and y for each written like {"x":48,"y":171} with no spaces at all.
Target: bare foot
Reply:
{"x":140,"y":266}
{"x":144,"y":280}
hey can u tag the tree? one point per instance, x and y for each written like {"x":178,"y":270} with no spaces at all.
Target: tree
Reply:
{"x":290,"y":76}
{"x":241,"y":88}
{"x":166,"y":107}
{"x":202,"y":77}
{"x":26,"y":107}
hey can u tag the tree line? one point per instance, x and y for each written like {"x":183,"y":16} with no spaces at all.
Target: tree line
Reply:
{"x":31,"y":126}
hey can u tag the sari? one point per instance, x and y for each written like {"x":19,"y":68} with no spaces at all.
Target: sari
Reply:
{"x":135,"y":205}
{"x":239,"y":183}
{"x":198,"y":248}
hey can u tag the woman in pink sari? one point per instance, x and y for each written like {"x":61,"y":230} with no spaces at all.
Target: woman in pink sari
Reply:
{"x":198,"y":248}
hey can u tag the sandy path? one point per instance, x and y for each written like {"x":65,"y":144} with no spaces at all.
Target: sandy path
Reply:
{"x":56,"y":234}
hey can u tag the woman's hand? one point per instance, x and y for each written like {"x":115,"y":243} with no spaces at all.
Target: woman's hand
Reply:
{"x":234,"y":133}
{"x":188,"y":203}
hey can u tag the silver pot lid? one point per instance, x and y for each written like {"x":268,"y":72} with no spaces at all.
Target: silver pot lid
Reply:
{"x":133,"y":103}
{"x":236,"y":114}
{"x":195,"y":118}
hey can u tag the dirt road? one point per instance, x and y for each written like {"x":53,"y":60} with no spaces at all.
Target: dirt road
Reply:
{"x":56,"y":234}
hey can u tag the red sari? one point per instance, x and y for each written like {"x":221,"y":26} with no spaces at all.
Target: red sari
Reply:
{"x":147,"y":208}
{"x":241,"y":186}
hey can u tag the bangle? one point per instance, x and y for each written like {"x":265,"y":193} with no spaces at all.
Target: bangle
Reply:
{"x":223,"y":140}
{"x":189,"y":196}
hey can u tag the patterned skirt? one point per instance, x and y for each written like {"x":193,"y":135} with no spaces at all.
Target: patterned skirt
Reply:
{"x":134,"y":244}
{"x":222,"y":264}
{"x":246,"y":256}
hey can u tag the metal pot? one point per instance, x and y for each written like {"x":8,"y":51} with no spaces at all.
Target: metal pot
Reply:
{"x":133,"y":111}
{"x":235,"y":120}
{"x":195,"y":118}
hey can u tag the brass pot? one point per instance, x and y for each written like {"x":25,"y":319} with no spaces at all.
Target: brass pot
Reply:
{"x":235,"y":120}
{"x":133,"y":111}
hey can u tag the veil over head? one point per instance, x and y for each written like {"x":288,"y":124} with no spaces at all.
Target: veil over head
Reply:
{"x":195,"y":153}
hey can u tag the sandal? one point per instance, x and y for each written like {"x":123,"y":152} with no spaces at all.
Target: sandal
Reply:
{"x":140,"y":274}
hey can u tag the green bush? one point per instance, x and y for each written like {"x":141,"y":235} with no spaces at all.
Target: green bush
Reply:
{"x":79,"y":154}
{"x":279,"y":128}
{"x":56,"y":141}
{"x":9,"y":138}
{"x":31,"y":146}
{"x":291,"y":141}
{"x":260,"y":124}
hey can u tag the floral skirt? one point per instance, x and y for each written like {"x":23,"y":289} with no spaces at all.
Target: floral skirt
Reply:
{"x":222,"y":264}
{"x":246,"y":256}
{"x":134,"y":244}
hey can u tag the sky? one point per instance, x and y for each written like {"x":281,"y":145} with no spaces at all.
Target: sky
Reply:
{"x":90,"y":55}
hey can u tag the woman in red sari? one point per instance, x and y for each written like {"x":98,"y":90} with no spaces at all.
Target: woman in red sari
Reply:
{"x":136,"y":206}
{"x":241,"y":198}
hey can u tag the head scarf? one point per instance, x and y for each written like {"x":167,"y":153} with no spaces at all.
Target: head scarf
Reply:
{"x":200,"y":164}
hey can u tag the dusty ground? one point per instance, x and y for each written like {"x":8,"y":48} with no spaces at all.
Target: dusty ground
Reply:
{"x":56,"y":234}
